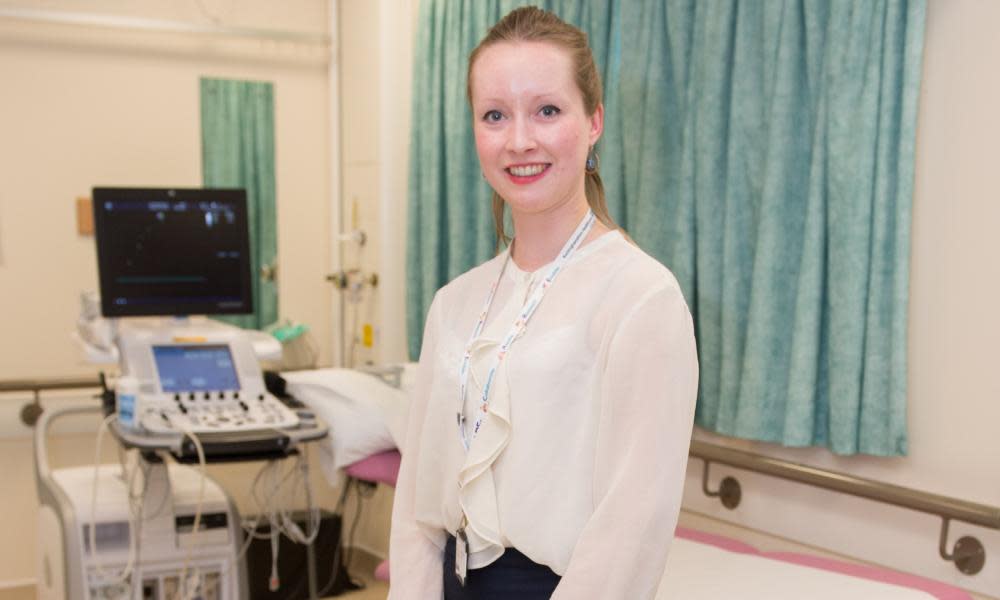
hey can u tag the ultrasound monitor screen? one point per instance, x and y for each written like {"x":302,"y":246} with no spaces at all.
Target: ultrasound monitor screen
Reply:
{"x":205,"y":368}
{"x":172,"y":251}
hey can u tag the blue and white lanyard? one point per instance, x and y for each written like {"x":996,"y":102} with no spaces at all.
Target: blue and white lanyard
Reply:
{"x":528,"y":309}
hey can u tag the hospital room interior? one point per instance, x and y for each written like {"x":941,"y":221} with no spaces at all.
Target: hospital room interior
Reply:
{"x":332,"y":136}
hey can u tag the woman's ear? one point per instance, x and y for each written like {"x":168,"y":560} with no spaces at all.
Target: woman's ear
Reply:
{"x":596,"y":124}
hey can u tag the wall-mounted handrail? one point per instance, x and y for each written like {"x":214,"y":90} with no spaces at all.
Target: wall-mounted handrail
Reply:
{"x":943,"y":506}
{"x":31,"y":411}
{"x":968,"y":555}
{"x":49,"y":383}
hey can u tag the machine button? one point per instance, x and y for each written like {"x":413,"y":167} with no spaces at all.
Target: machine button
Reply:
{"x":261,"y":397}
{"x":191,"y":396}
{"x":208,"y":395}
{"x":236,"y":395}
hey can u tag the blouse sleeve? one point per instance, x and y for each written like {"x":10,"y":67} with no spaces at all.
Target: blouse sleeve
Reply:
{"x":416,"y":559}
{"x":648,"y":390}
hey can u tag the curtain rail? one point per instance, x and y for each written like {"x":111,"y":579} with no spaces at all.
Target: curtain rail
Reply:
{"x":158,"y":25}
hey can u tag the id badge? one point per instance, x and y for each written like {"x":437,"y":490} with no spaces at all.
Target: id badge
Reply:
{"x":461,"y":556}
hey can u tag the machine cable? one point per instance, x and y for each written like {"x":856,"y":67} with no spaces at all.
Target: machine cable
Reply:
{"x":273,"y":492}
{"x":186,"y":590}
{"x":92,"y":527}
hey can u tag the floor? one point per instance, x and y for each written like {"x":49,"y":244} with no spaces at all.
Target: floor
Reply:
{"x":362,"y":569}
{"x":373,"y":591}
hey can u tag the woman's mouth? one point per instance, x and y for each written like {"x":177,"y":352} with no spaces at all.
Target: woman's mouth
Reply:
{"x":523,"y":174}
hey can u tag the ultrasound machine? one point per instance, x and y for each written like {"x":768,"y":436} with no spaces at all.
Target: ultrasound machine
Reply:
{"x":190,"y":390}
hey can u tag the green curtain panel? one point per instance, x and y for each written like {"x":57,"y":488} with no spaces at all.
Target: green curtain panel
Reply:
{"x":761,"y":150}
{"x":237,"y":142}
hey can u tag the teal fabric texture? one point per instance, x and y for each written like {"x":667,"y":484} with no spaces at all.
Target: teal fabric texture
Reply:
{"x":764,"y":152}
{"x":237,"y":141}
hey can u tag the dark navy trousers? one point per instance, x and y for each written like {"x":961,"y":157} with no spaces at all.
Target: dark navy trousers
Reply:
{"x":513,"y":576}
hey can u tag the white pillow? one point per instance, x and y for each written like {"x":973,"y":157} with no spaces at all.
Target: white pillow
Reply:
{"x":365,"y":414}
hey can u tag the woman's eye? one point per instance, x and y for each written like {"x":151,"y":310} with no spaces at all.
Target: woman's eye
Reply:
{"x":549,"y":111}
{"x":492,"y":116}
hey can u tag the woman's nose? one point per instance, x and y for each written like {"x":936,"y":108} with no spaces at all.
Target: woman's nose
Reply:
{"x":522,"y":136}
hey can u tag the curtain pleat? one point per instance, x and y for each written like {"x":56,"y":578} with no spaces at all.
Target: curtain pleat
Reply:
{"x":237,"y":135}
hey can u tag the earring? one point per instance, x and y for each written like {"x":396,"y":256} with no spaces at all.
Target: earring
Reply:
{"x":593,"y":161}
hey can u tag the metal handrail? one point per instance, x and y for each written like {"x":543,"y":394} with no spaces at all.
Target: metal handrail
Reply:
{"x":968,"y":552}
{"x":31,"y":411}
{"x":48,"y":384}
{"x":943,"y":506}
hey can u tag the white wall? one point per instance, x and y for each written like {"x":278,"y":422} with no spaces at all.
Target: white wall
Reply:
{"x":376,"y":60}
{"x":376,"y":63}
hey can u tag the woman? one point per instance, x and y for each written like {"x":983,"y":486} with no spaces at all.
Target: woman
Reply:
{"x":546,"y":453}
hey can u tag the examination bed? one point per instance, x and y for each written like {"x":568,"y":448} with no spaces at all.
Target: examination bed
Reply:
{"x":367,"y":417}
{"x":697,"y":559}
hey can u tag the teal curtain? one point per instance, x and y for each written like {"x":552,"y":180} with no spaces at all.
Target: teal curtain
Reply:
{"x":237,"y":142}
{"x":761,"y":150}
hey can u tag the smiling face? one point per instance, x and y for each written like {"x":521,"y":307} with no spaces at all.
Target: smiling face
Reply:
{"x":532,"y":131}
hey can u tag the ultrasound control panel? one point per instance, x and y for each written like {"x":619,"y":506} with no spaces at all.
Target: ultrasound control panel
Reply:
{"x":195,"y":380}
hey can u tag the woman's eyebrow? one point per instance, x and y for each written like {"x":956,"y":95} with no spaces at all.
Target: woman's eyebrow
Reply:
{"x":553,"y":97}
{"x":488,"y":100}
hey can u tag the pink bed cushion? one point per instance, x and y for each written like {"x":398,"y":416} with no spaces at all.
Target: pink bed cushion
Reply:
{"x":939,"y":590}
{"x":379,"y":468}
{"x":382,"y":571}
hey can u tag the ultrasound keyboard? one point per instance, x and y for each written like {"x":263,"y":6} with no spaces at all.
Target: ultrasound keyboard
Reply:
{"x":200,"y":381}
{"x":217,"y":412}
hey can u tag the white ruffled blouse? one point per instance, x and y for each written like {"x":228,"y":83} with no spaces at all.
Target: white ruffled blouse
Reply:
{"x":580,"y":460}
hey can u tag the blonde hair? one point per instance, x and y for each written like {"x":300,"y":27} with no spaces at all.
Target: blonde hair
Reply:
{"x":531,"y":24}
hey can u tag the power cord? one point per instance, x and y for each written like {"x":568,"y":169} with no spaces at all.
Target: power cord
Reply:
{"x":273,"y":492}
{"x":187,"y":589}
{"x":92,"y":527}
